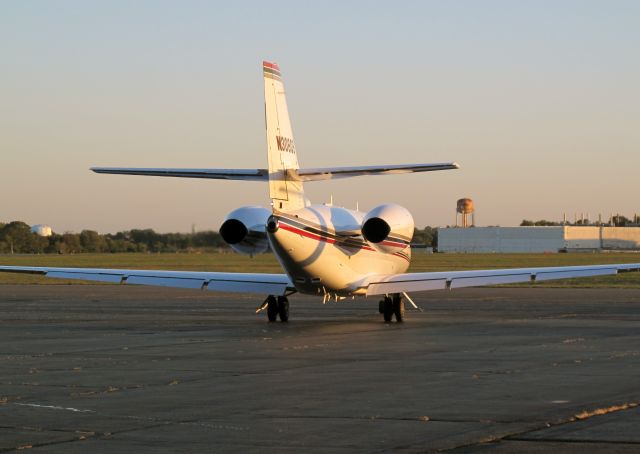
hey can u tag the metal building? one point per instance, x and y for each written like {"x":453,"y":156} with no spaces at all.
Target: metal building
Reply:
{"x":538,"y":239}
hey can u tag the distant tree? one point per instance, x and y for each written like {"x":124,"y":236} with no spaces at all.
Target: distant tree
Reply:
{"x":17,"y":237}
{"x":620,"y":221}
{"x":208,"y":238}
{"x":92,"y":241}
{"x":151,"y":240}
{"x":427,"y":236}
{"x":418,"y":237}
{"x":119,"y":245}
{"x":70,"y":243}
{"x":540,"y":223}
{"x":51,"y":246}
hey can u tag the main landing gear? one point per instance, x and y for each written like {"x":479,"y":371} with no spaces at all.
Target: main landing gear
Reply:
{"x":277,"y":306}
{"x":390,"y":306}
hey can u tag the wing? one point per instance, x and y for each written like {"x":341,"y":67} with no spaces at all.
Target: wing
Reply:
{"x":268,"y":284}
{"x":332,"y":173}
{"x":418,"y":282}
{"x":215,"y":174}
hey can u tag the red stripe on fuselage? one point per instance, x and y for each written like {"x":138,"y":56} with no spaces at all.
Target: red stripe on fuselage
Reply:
{"x":314,"y":236}
{"x":393,"y":243}
{"x":292,"y":229}
{"x":402,"y":256}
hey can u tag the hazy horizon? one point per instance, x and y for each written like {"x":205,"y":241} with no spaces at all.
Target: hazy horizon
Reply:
{"x":539,"y":103}
{"x":199,"y":229}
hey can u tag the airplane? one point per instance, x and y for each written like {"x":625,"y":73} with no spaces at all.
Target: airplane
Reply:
{"x":324,"y":250}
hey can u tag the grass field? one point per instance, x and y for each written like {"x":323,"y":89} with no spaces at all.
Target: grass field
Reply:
{"x":266,"y":263}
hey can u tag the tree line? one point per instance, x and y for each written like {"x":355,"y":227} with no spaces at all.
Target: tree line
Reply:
{"x":426,"y":237}
{"x":17,"y":237}
{"x":615,"y":221}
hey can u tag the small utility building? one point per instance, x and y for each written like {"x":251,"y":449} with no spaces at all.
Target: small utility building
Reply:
{"x":538,"y":239}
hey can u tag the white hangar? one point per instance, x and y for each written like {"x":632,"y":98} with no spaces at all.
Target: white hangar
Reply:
{"x":538,"y":239}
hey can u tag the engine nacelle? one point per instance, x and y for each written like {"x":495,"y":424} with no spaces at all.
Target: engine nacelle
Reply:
{"x":244,"y":229}
{"x":388,"y":227}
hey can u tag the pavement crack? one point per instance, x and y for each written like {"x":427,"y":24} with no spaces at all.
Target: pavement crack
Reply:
{"x":55,"y":407}
{"x":77,"y":436}
{"x":391,"y":418}
{"x":574,"y":440}
{"x":605,"y":410}
{"x":522,"y":434}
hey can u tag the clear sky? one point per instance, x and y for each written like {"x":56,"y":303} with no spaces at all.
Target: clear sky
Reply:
{"x":538,"y":101}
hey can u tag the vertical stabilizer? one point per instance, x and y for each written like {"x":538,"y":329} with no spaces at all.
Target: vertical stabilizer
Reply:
{"x":286,"y":193}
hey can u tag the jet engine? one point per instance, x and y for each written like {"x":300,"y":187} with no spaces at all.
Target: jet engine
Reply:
{"x":388,"y":227}
{"x":244,"y":229}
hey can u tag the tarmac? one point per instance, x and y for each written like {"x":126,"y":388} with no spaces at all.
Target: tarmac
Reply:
{"x":103,"y":369}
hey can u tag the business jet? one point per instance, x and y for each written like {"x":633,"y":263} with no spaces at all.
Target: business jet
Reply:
{"x":324,"y":250}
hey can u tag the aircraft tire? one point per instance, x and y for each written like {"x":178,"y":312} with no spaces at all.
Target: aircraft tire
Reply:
{"x":398,"y":308}
{"x":388,"y":309}
{"x":283,"y":308}
{"x":272,"y":308}
{"x":381,"y":306}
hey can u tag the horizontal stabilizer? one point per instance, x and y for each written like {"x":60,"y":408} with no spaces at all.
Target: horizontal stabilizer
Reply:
{"x":317,"y":174}
{"x":332,"y":173}
{"x":215,"y":174}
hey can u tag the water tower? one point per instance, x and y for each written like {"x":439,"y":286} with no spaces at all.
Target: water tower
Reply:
{"x":42,"y":230}
{"x":464,"y":208}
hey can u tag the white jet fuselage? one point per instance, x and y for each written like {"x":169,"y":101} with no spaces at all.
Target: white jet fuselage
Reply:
{"x":322,"y":249}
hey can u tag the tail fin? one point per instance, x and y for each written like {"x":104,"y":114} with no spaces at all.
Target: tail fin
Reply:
{"x":286,"y":193}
